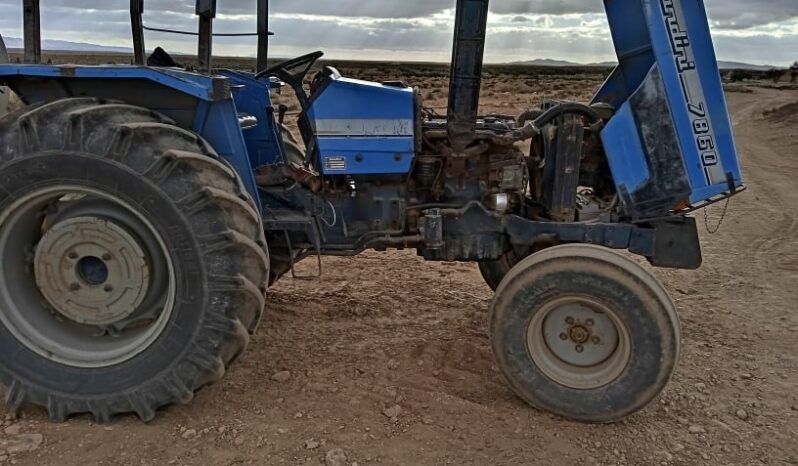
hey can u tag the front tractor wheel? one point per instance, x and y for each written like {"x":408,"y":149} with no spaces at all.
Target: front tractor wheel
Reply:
{"x":132,"y":261}
{"x":585,"y":333}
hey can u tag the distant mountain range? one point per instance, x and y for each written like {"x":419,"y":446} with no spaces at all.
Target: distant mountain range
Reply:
{"x":563,"y":63}
{"x":724,"y":65}
{"x":67,"y":46}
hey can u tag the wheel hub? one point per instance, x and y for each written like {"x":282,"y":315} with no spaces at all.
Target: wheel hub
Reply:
{"x":591,"y":337}
{"x":579,"y":334}
{"x":91,"y":271}
{"x":578,"y":342}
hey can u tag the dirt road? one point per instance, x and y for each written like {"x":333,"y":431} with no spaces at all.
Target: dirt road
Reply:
{"x":386,"y":361}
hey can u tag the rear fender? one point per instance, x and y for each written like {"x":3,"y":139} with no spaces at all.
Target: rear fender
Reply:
{"x":198,"y":103}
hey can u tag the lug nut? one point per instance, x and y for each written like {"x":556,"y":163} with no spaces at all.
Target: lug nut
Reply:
{"x":106,"y":257}
{"x":73,"y":255}
{"x":563,"y":336}
{"x":579,"y":348}
{"x":589,"y":322}
{"x":569,"y":320}
{"x":596,"y":340}
{"x":74,"y":287}
{"x":108,"y":288}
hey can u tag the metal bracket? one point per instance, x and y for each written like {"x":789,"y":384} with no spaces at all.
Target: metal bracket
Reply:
{"x":206,"y":10}
{"x":137,"y":24}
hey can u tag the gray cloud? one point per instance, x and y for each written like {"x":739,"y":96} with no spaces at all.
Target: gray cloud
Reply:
{"x":741,"y":14}
{"x":732,"y":14}
{"x":395,"y":25}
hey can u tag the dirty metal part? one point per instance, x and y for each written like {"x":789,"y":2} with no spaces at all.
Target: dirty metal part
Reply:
{"x":263,"y":35}
{"x":534,"y":128}
{"x":54,"y":313}
{"x":466,"y":75}
{"x":33,"y":31}
{"x":3,"y":52}
{"x":579,"y":342}
{"x":91,"y":271}
{"x":206,"y":10}
{"x":137,"y":25}
{"x":499,"y":202}
{"x":4,"y":91}
{"x":561,"y":174}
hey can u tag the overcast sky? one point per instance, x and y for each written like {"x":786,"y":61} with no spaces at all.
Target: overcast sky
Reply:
{"x":755,"y":31}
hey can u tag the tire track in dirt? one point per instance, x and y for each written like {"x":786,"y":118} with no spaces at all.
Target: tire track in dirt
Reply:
{"x":768,"y":172}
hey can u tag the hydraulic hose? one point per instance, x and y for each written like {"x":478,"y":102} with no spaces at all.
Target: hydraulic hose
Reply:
{"x":532,"y":129}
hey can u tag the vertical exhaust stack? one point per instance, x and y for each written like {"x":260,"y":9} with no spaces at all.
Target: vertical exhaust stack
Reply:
{"x":466,"y":76}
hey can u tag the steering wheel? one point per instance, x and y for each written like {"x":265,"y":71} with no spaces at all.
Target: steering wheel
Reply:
{"x":293,"y":72}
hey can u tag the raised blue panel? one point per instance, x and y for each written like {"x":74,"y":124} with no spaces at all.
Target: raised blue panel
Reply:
{"x":364,"y":128}
{"x":668,"y":41}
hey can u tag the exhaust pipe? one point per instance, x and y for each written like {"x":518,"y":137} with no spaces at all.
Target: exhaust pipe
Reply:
{"x":466,"y":76}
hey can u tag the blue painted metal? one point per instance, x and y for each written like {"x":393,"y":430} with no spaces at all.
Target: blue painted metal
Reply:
{"x":252,"y":96}
{"x":624,"y":152}
{"x":364,"y":128}
{"x":366,"y":156}
{"x":211,"y":109}
{"x":222,"y":131}
{"x":195,"y":85}
{"x":672,"y":38}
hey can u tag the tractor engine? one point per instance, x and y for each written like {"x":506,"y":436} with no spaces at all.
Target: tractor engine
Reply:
{"x":384,"y":171}
{"x":489,"y":170}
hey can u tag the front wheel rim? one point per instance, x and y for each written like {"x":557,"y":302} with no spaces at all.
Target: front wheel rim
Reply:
{"x":579,"y":343}
{"x":85,"y":279}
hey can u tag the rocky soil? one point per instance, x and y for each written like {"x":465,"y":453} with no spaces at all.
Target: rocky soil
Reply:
{"x":385,"y":360}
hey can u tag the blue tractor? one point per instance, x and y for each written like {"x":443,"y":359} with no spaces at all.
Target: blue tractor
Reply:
{"x":145,"y":209}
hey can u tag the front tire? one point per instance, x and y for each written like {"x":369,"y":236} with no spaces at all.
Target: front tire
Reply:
{"x":133,"y":263}
{"x":585,"y":333}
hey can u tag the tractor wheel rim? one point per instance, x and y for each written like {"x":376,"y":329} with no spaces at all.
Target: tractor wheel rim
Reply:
{"x":91,"y":270}
{"x":85,"y":279}
{"x":578,"y":342}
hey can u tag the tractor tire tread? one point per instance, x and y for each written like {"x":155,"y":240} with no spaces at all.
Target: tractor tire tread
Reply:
{"x":177,"y":159}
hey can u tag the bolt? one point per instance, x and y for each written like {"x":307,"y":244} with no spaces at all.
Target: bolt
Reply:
{"x":579,"y":348}
{"x":563,"y":336}
{"x":589,"y":322}
{"x":74,"y":287}
{"x":569,"y":320}
{"x":596,"y":340}
{"x":108,"y":288}
{"x":106,"y":257}
{"x":73,"y":255}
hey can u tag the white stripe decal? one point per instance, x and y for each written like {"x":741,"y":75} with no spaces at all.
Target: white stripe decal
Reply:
{"x":390,"y":128}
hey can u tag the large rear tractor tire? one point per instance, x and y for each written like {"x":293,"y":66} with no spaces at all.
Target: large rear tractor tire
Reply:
{"x":585,"y":333}
{"x":133,"y":263}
